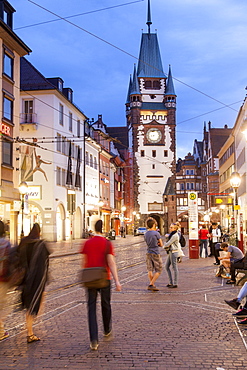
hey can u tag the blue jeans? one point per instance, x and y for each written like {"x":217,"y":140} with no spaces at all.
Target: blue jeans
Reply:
{"x":105,"y":309}
{"x":204,"y":244}
{"x":172,"y":260}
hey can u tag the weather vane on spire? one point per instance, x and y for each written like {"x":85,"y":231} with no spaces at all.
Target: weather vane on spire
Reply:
{"x":149,"y":22}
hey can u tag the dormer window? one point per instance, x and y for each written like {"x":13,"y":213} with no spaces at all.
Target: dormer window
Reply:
{"x":60,"y":85}
{"x":6,"y":13}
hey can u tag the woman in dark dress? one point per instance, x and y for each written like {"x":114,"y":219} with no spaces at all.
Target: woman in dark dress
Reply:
{"x":34,"y":257}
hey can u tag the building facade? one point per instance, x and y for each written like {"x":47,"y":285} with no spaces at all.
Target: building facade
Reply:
{"x":12,"y":48}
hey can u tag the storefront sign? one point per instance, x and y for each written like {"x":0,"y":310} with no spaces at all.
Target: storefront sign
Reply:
{"x":5,"y":129}
{"x":34,"y":192}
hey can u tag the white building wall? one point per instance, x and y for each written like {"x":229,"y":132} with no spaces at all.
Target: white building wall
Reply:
{"x":53,"y":196}
{"x":151,"y":189}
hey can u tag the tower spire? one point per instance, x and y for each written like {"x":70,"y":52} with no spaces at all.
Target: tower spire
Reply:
{"x":149,"y":22}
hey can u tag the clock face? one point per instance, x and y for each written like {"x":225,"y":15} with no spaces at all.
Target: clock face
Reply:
{"x":153,"y":135}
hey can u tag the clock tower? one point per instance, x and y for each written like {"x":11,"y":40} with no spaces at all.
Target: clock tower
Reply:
{"x":151,"y":122}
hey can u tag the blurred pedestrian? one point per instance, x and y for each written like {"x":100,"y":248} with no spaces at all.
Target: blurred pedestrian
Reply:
{"x":153,"y":259}
{"x":34,"y":257}
{"x":172,"y":247}
{"x":4,"y":253}
{"x":98,"y":252}
{"x":203,"y":238}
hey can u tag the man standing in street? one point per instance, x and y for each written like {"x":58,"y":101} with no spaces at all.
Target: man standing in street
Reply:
{"x":153,"y":259}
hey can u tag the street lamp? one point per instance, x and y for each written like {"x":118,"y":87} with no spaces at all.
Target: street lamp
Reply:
{"x":235,"y":181}
{"x":23,"y":187}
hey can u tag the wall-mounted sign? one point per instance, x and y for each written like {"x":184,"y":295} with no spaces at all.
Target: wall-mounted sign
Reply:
{"x":34,"y":192}
{"x":5,"y":129}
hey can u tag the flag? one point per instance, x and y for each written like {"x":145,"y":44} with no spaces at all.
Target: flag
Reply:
{"x":69,"y":179}
{"x":77,"y":175}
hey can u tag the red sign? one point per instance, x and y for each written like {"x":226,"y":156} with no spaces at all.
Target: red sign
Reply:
{"x":5,"y":129}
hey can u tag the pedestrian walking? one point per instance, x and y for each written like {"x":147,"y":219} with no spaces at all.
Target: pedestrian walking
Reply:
{"x":215,"y":238}
{"x":34,"y":258}
{"x":4,"y":253}
{"x":172,"y":247}
{"x":203,"y":238}
{"x":98,"y":252}
{"x":153,"y":258}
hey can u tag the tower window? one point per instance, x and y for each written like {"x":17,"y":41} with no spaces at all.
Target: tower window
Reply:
{"x":154,"y":153}
{"x":148,"y":84}
{"x":142,"y":153}
{"x":156,"y":85}
{"x":153,"y":166}
{"x":165,"y":153}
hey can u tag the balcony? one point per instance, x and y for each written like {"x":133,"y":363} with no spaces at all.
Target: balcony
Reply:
{"x":28,"y":119}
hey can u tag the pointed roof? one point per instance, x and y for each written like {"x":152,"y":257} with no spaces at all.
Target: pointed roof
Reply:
{"x":169,"y":189}
{"x":169,"y":86}
{"x":129,"y":91}
{"x":150,"y":64}
{"x":31,"y":78}
{"x":135,"y":89}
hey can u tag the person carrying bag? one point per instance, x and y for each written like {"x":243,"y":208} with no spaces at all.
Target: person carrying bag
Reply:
{"x":97,"y":256}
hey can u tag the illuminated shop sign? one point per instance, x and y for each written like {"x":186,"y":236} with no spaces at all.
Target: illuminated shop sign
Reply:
{"x":5,"y":129}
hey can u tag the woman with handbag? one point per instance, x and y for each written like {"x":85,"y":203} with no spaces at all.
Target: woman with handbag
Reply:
{"x":172,"y":247}
{"x":34,"y":258}
{"x":98,"y":252}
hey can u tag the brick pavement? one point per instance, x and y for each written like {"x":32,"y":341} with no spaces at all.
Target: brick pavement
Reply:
{"x":187,"y":328}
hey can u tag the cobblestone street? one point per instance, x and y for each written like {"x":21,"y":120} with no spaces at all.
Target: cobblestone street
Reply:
{"x":185,"y":328}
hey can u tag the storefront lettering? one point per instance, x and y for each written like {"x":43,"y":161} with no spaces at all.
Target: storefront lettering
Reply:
{"x":5,"y":129}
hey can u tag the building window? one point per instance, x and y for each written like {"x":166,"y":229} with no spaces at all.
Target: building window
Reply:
{"x":189,"y":172}
{"x":7,"y":108}
{"x":8,"y":64}
{"x":154,"y":153}
{"x":142,"y":153}
{"x":7,"y":148}
{"x":165,"y":153}
{"x":153,"y":166}
{"x":70,"y":121}
{"x":95,"y":163}
{"x":156,"y":85}
{"x":63,"y":145}
{"x":91,"y":160}
{"x":63,"y":177}
{"x":61,"y":114}
{"x":148,"y":84}
{"x":182,"y":186}
{"x":58,"y":176}
{"x":86,"y":158}
{"x":78,"y":128}
{"x":28,"y":111}
{"x":58,"y":142}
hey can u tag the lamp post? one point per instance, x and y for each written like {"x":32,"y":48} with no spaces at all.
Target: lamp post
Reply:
{"x":23,"y":187}
{"x":235,"y":180}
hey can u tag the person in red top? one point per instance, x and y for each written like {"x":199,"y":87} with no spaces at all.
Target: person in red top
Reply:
{"x":98,"y":252}
{"x":203,"y":237}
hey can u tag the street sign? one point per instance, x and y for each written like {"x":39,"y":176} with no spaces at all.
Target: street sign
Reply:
{"x":193,"y":215}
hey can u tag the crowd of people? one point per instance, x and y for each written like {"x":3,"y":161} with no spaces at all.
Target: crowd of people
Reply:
{"x":98,"y":251}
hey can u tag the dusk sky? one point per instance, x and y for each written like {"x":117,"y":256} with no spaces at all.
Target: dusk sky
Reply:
{"x":204,"y":41}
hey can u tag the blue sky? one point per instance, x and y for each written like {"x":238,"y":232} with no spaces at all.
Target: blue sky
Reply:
{"x":203,"y":40}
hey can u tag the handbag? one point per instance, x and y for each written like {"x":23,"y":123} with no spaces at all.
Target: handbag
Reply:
{"x":95,"y":277}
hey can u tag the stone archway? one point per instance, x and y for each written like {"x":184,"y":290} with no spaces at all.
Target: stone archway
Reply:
{"x":60,"y":222}
{"x":159,"y":220}
{"x":78,"y":223}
